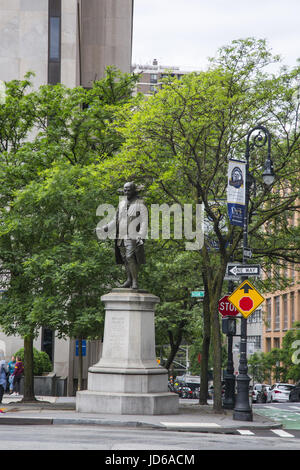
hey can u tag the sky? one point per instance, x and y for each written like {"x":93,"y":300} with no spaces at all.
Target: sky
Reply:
{"x":185,"y":33}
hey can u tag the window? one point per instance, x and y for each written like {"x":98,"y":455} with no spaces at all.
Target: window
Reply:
{"x":292,"y":304}
{"x":269,"y":314}
{"x":54,"y":38}
{"x":276,"y":342}
{"x":255,"y":317}
{"x":47,"y":343}
{"x":277,"y":313}
{"x":256,"y":340}
{"x":153,"y":78}
{"x":54,"y":41}
{"x":285,"y":312}
{"x":293,"y":272}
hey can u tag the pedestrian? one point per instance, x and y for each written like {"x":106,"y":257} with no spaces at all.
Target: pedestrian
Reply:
{"x":17,"y":374}
{"x":3,"y":378}
{"x":11,"y":368}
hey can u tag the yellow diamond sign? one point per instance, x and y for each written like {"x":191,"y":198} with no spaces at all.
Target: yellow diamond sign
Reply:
{"x":246,"y":298}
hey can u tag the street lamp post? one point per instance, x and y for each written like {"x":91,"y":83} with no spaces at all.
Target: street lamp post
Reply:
{"x":243,"y":410}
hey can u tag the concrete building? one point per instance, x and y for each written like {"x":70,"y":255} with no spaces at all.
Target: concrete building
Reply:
{"x":69,"y":42}
{"x":151,"y":76}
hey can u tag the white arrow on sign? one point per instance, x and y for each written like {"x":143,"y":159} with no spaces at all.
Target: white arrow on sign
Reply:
{"x":244,"y":270}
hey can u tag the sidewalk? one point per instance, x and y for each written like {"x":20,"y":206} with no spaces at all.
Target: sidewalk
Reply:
{"x":62,"y":410}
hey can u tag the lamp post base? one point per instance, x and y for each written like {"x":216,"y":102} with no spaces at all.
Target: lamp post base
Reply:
{"x":243,"y":415}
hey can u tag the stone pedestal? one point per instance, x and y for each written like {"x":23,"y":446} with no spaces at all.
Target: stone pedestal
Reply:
{"x":127,"y":379}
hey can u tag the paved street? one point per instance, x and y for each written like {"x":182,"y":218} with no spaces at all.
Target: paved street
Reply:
{"x":287,"y":413}
{"x":107,"y":438}
{"x":115,"y":438}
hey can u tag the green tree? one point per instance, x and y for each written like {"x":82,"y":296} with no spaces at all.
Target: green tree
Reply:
{"x":178,"y":144}
{"x":52,"y":142}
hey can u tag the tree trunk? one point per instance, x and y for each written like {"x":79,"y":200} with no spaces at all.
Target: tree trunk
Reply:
{"x":205,"y":348}
{"x":28,"y":369}
{"x":174,"y":344}
{"x":80,"y":366}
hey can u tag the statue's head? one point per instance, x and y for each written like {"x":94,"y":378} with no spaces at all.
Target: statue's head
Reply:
{"x":130,"y":190}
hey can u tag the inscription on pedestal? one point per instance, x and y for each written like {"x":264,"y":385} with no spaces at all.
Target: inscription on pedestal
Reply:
{"x":116,"y":337}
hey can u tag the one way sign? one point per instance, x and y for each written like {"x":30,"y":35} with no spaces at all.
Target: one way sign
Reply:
{"x":234,"y":269}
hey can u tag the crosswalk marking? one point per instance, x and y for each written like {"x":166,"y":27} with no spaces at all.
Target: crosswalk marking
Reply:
{"x":245,"y":432}
{"x":191,"y":425}
{"x":281,"y":433}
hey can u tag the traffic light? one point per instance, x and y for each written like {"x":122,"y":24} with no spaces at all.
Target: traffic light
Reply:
{"x":229,"y":326}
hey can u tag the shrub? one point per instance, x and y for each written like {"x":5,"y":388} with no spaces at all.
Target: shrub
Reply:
{"x":41,"y":361}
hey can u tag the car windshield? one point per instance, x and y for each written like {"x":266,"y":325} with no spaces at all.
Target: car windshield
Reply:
{"x":285,"y":387}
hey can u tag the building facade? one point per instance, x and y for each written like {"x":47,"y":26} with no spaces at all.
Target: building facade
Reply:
{"x":282,"y":307}
{"x":151,"y":76}
{"x":282,"y":310}
{"x":67,"y":41}
{"x":70,"y":42}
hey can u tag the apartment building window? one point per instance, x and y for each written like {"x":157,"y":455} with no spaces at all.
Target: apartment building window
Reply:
{"x":285,"y":312}
{"x":292,"y":305}
{"x":276,"y":342}
{"x":54,"y":41}
{"x":277,"y":313}
{"x":255,"y":317}
{"x":285,"y":271}
{"x":256,"y":340}
{"x":153,"y":78}
{"x":269,"y":314}
{"x":293,"y":272}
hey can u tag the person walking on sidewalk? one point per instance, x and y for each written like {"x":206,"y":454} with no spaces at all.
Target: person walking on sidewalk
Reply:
{"x":11,"y":368}
{"x":3,"y":378}
{"x":17,"y":374}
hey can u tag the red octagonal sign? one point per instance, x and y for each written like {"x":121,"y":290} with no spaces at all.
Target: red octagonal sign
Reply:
{"x":246,"y":303}
{"x":225,"y":308}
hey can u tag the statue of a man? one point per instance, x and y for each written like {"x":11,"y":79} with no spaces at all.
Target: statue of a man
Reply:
{"x":131,"y":228}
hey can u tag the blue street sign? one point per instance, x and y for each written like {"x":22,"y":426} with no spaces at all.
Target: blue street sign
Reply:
{"x":83,"y":347}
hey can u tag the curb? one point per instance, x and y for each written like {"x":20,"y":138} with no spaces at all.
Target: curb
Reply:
{"x":185,"y":427}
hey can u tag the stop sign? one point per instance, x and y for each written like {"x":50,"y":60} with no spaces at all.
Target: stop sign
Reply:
{"x":225,"y":308}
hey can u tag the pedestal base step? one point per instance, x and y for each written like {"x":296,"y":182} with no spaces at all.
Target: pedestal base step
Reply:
{"x":127,"y":403}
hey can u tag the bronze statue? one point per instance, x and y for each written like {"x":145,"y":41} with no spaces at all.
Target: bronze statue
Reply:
{"x":131,"y":228}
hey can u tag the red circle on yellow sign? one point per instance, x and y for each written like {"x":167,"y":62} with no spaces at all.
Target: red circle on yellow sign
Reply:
{"x":246,"y":304}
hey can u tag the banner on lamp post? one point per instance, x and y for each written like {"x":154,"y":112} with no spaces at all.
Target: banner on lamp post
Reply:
{"x":236,"y":192}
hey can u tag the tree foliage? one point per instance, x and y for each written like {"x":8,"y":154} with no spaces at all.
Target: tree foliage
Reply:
{"x":178,"y":144}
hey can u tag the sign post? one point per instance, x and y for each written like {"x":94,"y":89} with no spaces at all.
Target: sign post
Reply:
{"x":228,"y":312}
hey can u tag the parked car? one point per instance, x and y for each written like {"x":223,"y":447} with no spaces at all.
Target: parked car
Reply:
{"x":295,"y":393}
{"x":256,"y":390}
{"x":186,"y":392}
{"x":263,"y":394}
{"x":279,"y":392}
